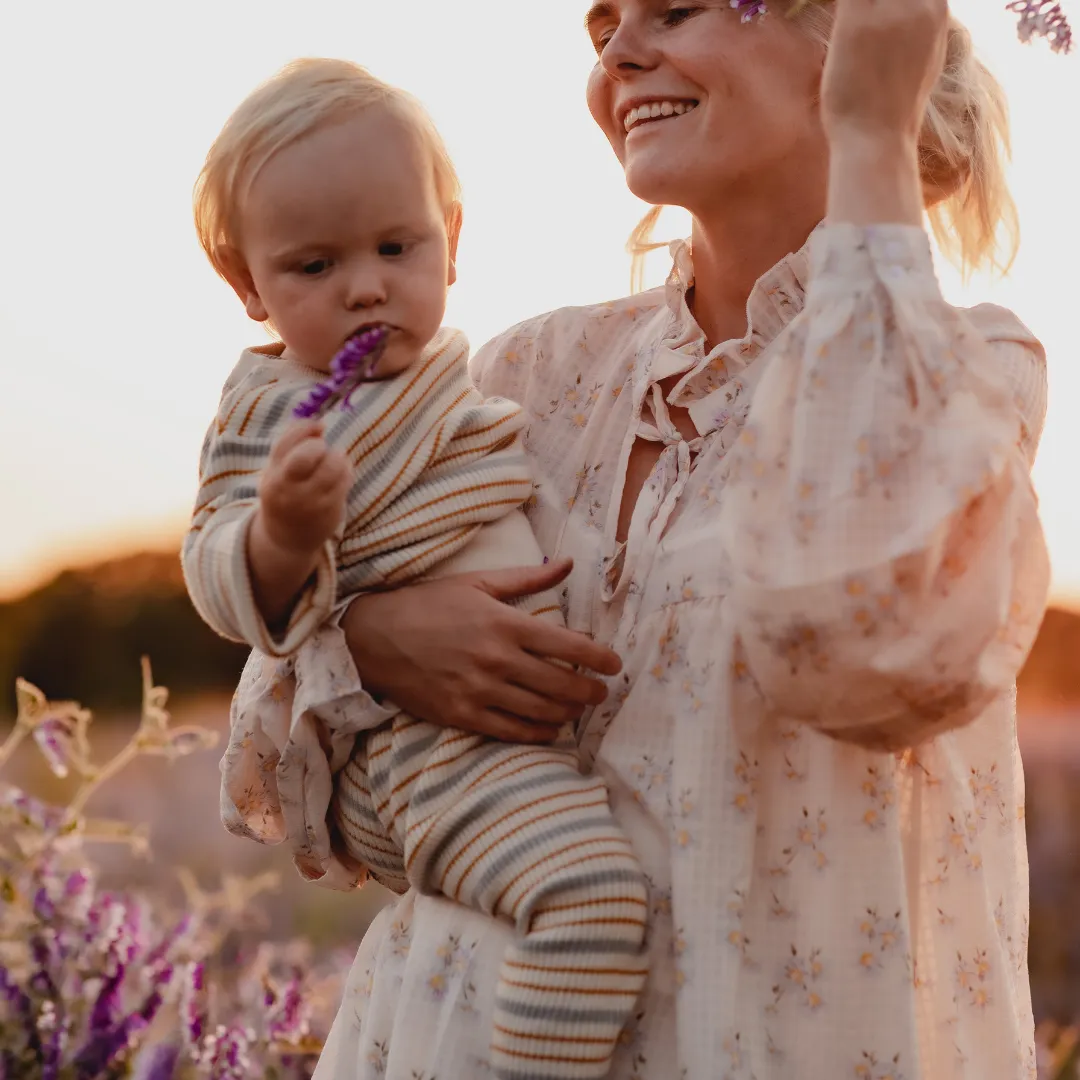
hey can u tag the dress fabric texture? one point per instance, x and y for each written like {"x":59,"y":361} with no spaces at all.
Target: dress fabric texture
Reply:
{"x":822,"y":604}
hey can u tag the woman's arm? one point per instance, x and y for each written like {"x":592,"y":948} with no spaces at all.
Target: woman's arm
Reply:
{"x":453,"y":652}
{"x":890,"y":568}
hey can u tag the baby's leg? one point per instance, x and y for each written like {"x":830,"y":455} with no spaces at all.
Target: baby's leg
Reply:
{"x":355,"y":813}
{"x":519,"y":832}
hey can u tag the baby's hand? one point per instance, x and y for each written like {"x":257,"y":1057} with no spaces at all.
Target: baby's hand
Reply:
{"x":303,"y":489}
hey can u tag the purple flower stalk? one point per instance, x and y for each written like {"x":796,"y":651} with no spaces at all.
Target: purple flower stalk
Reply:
{"x":353,"y":365}
{"x":1037,"y":18}
{"x":1043,"y":18}
{"x":749,"y":8}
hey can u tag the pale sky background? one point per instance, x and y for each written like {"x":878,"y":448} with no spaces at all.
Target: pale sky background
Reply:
{"x":117,"y":336}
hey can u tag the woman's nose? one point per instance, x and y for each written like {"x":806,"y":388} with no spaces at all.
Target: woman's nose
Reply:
{"x":629,"y":49}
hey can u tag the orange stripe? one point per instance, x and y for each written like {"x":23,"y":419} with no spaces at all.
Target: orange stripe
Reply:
{"x":387,"y":414}
{"x":618,"y":972}
{"x":350,"y":549}
{"x":562,"y":866}
{"x":251,"y":410}
{"x":582,"y":1040}
{"x":595,"y":991}
{"x":553,"y":1057}
{"x":525,"y":754}
{"x":224,"y":424}
{"x":635,"y":900}
{"x":490,"y":427}
{"x":526,"y":824}
{"x":591,"y":922}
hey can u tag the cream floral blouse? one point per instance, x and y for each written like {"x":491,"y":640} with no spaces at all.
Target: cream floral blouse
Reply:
{"x":822,"y":605}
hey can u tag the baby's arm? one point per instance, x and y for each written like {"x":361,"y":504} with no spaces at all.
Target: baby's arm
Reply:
{"x":302,"y":496}
{"x":259,"y":558}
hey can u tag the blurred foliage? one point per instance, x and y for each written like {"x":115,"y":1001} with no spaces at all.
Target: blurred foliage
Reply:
{"x":82,"y":635}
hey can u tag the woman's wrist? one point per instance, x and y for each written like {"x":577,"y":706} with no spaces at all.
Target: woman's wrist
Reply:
{"x":874,"y":180}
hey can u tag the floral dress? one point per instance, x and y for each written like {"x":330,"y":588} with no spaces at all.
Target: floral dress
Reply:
{"x":822,"y":604}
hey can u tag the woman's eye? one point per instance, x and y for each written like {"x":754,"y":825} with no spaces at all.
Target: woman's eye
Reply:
{"x":314,"y":267}
{"x":676,"y":15}
{"x":392,"y":249}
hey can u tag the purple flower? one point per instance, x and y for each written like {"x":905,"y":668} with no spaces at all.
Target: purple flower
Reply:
{"x":749,"y":8}
{"x":353,"y":365}
{"x":1043,"y":18}
{"x":287,"y":1023}
{"x":160,"y":1063}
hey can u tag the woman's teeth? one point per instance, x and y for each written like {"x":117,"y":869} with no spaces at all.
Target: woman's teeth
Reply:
{"x":656,"y":110}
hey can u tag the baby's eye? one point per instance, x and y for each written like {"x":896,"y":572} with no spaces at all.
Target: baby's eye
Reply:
{"x":392,"y":249}
{"x":314,"y":267}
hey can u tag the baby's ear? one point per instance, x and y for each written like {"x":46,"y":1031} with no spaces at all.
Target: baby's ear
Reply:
{"x":235,"y":271}
{"x":453,"y":234}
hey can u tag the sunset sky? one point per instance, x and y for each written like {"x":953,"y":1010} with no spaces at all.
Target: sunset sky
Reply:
{"x":118,"y":335}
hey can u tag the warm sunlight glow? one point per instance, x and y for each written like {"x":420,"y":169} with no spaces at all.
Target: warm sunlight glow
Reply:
{"x":118,"y":335}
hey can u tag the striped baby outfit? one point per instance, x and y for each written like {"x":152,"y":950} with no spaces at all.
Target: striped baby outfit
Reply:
{"x":517,"y":832}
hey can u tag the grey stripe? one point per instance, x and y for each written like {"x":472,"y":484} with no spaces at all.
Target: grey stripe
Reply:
{"x":547,"y":947}
{"x":232,"y":447}
{"x":351,"y":798}
{"x":440,"y":391}
{"x":542,"y":776}
{"x":560,"y":1014}
{"x":512,"y":857}
{"x":403,"y":751}
{"x":591,"y":879}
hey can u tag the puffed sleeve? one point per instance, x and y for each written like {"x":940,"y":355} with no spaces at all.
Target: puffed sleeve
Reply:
{"x":889,"y":567}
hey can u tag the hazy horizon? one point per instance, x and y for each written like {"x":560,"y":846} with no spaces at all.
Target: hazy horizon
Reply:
{"x":119,"y":335}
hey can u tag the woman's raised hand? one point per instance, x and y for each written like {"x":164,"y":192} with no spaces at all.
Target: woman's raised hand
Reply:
{"x":451,"y":651}
{"x":884,"y":59}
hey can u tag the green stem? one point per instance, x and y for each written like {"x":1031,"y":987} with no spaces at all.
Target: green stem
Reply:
{"x":11,"y":743}
{"x":124,"y":758}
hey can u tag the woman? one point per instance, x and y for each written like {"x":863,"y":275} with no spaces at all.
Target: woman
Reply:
{"x":795,"y":489}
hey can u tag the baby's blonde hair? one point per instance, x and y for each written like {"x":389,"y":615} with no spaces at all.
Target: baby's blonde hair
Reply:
{"x":962,"y":152}
{"x":301,"y":98}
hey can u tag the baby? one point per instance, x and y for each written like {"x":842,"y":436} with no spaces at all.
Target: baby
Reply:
{"x":329,"y":204}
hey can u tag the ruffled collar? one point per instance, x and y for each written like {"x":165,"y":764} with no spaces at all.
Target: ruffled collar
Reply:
{"x":776,"y":299}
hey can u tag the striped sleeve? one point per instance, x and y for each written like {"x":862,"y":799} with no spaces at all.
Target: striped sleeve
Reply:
{"x":214,"y":554}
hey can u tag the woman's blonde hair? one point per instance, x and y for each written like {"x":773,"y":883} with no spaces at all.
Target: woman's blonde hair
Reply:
{"x":962,"y":152}
{"x":304,"y":96}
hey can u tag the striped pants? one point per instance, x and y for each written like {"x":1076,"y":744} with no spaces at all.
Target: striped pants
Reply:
{"x":518,"y":832}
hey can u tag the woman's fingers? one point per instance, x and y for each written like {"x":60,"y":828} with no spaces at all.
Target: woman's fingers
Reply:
{"x":506,"y":728}
{"x":520,"y":581}
{"x":552,"y":681}
{"x":528,"y":705}
{"x":544,"y":639}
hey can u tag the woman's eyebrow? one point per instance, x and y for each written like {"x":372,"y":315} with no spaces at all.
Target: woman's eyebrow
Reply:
{"x":597,"y":12}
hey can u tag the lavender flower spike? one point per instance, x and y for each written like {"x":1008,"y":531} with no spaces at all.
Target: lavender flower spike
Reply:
{"x":1043,"y":18}
{"x":353,"y":365}
{"x":749,"y":8}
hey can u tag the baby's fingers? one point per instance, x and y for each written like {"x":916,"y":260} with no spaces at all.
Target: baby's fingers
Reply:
{"x":304,"y":461}
{"x":295,"y":435}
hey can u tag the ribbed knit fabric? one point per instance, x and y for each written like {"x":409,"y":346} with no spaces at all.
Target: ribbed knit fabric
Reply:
{"x":434,"y":461}
{"x":514,"y":831}
{"x":520,"y":833}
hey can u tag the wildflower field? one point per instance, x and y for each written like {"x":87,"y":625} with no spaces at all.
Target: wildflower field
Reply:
{"x":127,"y":950}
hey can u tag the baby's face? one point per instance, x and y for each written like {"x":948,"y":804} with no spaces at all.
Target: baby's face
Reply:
{"x":344,"y":230}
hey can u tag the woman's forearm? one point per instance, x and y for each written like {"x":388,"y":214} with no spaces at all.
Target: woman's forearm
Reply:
{"x":874,"y":181}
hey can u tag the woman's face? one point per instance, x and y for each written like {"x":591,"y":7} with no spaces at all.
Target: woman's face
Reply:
{"x":702,"y":108}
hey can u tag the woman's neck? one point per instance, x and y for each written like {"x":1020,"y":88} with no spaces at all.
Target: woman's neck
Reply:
{"x":732,"y":250}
